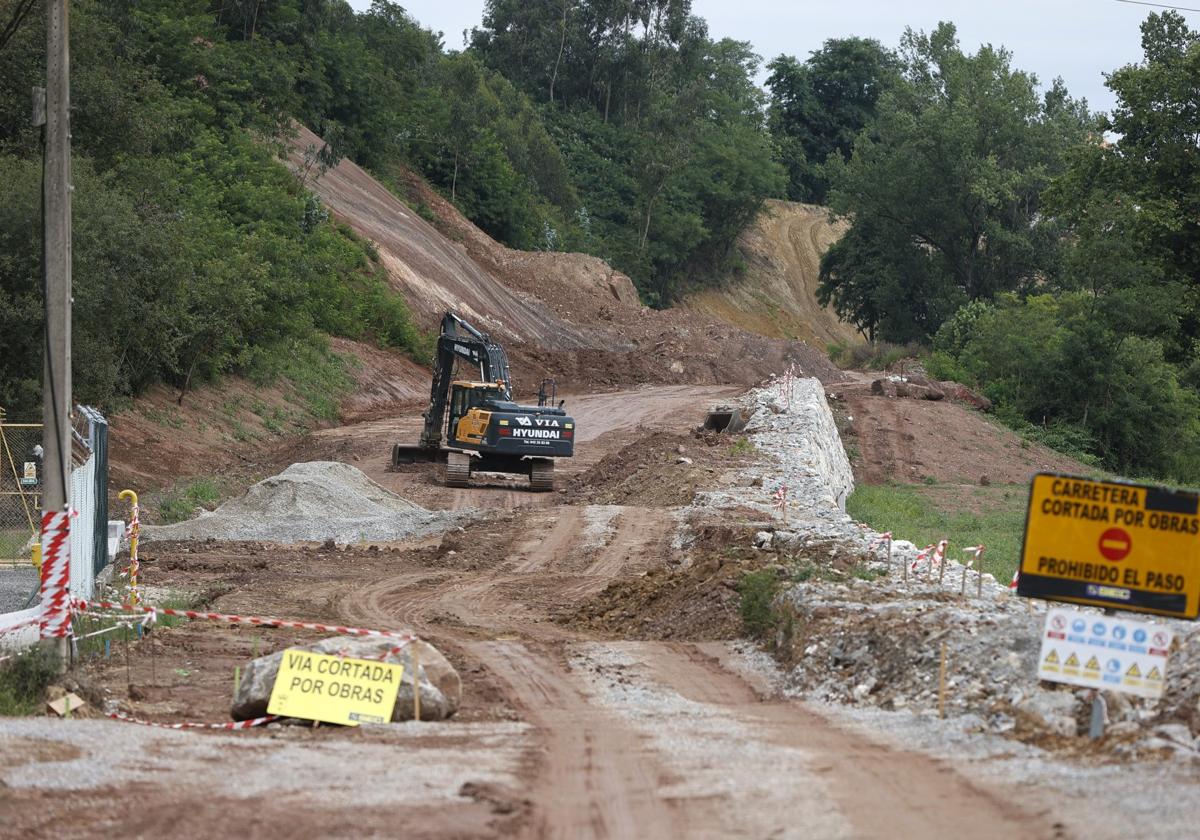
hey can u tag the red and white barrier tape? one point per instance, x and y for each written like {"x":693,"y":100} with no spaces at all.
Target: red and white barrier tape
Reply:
{"x":885,"y":537}
{"x":231,"y":726}
{"x":253,"y":621}
{"x":56,"y":574}
{"x":37,"y":619}
{"x":1016,"y":578}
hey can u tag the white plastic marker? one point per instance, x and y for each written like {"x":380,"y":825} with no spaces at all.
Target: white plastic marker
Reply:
{"x":885,"y":537}
{"x":976,"y":550}
{"x":940,"y":556}
{"x":781,"y":501}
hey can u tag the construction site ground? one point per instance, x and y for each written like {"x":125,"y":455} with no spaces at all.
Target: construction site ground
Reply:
{"x":597,"y":703}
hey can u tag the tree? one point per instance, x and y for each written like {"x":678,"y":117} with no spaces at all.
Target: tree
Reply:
{"x":952,"y":169}
{"x":818,"y":108}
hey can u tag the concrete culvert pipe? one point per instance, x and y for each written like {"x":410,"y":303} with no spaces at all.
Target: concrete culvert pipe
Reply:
{"x":724,"y":418}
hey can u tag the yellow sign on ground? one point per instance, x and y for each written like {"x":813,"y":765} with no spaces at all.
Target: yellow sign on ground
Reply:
{"x":1111,"y":544}
{"x":334,"y":689}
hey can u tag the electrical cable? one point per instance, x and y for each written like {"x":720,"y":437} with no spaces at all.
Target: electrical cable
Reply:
{"x":1158,"y":5}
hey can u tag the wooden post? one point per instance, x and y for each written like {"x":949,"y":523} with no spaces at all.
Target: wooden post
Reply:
{"x":942,"y":684}
{"x":416,"y":681}
{"x":56,"y":256}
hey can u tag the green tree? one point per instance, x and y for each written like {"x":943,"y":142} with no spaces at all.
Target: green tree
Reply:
{"x":818,"y":107}
{"x":952,"y":169}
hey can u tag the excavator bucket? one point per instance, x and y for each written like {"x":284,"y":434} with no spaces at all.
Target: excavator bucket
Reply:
{"x":724,"y":418}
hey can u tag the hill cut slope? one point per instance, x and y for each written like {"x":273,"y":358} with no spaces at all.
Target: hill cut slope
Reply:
{"x":568,"y":316}
{"x":433,"y":272}
{"x":777,"y":295}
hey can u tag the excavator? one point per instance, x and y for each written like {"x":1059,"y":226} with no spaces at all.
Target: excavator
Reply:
{"x":472,"y":423}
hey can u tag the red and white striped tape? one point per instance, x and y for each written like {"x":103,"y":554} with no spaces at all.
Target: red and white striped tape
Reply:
{"x":231,"y":726}
{"x":1016,"y":578}
{"x":8,"y":628}
{"x":56,"y":574}
{"x":780,"y":497}
{"x":885,"y":537}
{"x":921,"y":555}
{"x":253,"y":621}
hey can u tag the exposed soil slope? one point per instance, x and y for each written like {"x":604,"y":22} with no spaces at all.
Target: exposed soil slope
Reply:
{"x":569,"y":316}
{"x":777,"y":294}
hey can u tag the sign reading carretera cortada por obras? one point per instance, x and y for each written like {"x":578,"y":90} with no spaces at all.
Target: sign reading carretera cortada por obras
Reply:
{"x":1112,"y":544}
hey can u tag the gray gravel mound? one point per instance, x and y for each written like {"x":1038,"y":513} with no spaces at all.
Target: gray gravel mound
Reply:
{"x":315,"y":501}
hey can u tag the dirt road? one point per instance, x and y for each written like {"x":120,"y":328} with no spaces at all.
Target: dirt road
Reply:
{"x":563,"y":733}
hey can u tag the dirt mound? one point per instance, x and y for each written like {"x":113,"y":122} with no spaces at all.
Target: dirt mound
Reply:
{"x":315,"y":501}
{"x":777,"y":294}
{"x":912,"y":441}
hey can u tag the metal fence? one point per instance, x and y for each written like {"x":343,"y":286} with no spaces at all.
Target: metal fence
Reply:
{"x":20,"y":490}
{"x":21,"y":497}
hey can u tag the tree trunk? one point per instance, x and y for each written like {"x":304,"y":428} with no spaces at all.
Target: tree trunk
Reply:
{"x":454,"y":179}
{"x":562,"y":41}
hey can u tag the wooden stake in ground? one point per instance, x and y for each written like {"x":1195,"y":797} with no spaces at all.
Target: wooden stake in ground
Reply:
{"x":416,"y":679}
{"x":962,"y":593}
{"x":940,"y":554}
{"x":942,"y":684}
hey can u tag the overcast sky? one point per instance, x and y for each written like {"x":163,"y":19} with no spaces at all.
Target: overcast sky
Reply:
{"x":1076,"y":39}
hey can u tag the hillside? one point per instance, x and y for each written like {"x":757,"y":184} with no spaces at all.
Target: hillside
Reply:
{"x":776,"y":295}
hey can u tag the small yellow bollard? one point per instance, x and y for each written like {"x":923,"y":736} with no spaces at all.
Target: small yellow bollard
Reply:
{"x":134,"y":529}
{"x":36,"y":555}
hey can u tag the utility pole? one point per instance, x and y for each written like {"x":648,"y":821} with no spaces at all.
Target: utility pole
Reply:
{"x":56,"y":385}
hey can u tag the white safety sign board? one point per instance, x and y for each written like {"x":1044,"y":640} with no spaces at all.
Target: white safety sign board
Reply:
{"x":1101,"y":651}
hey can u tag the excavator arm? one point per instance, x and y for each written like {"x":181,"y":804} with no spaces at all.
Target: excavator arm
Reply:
{"x":460,"y":340}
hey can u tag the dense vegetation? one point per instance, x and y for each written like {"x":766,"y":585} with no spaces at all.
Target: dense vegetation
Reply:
{"x":1043,"y":253}
{"x":195,"y":252}
{"x":1050,"y":266}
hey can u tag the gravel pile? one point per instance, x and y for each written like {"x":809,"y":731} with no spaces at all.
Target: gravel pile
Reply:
{"x":311,"y":502}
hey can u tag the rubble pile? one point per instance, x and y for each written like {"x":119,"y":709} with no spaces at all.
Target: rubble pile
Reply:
{"x":870,"y":635}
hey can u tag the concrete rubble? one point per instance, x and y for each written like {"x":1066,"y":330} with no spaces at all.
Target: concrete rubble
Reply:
{"x":869,"y":636}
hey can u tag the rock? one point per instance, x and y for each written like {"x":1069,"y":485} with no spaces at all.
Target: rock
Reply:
{"x":985,"y":480}
{"x":683,"y":459}
{"x":884,"y":388}
{"x":440,"y":685}
{"x":1050,"y":710}
{"x":1177,"y":732}
{"x":963,"y":394}
{"x":1119,"y":707}
{"x":763,"y":539}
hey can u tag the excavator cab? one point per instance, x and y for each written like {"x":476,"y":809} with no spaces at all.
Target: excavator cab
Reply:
{"x":469,"y":410}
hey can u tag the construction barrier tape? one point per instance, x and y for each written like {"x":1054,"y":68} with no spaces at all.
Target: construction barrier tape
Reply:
{"x":56,"y":572}
{"x":253,"y":621}
{"x":232,"y":726}
{"x":8,"y":628}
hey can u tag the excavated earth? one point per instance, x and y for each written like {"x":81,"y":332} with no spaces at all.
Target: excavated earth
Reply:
{"x":603,"y":696}
{"x":595,"y":628}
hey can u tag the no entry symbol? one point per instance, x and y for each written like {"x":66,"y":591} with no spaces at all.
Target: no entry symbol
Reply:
{"x":1115,"y":544}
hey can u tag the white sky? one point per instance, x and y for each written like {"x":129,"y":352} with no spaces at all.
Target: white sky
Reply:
{"x":1076,"y":39}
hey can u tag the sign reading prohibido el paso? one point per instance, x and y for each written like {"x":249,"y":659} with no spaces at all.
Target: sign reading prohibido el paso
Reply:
{"x":1112,"y":544}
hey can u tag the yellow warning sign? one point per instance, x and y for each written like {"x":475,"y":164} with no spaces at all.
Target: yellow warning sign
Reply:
{"x":1072,"y":661}
{"x":1134,"y":671}
{"x":334,"y":689}
{"x":1093,"y":664}
{"x":1111,"y":544}
{"x":1154,"y":674}
{"x":1051,"y":658}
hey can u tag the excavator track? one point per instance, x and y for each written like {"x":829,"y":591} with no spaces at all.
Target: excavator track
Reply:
{"x":458,"y":470}
{"x":541,"y":475}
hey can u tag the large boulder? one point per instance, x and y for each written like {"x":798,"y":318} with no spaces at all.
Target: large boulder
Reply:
{"x":1050,"y":711}
{"x":440,"y":685}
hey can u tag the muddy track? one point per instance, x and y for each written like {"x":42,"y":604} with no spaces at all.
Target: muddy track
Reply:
{"x":629,"y":732}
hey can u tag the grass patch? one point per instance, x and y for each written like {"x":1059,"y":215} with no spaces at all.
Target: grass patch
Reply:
{"x":23,"y":681}
{"x":878,"y":356}
{"x":317,"y":374}
{"x":964,"y":515}
{"x":181,"y":503}
{"x":741,"y":446}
